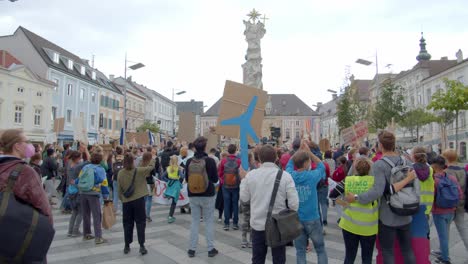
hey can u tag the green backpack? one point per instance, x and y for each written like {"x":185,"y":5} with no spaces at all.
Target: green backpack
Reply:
{"x":86,"y":178}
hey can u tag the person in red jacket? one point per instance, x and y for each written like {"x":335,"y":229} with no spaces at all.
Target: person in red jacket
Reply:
{"x":230,"y":190}
{"x":28,"y":187}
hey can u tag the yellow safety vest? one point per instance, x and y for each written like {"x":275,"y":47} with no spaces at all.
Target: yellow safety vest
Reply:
{"x":173,"y":175}
{"x":360,"y":219}
{"x":427,"y":192}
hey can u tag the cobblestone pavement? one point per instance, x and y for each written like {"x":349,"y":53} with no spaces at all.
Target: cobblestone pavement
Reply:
{"x":168,"y":243}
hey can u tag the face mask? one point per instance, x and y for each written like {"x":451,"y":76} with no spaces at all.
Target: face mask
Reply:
{"x":29,"y":151}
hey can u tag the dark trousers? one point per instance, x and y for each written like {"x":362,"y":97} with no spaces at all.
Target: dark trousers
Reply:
{"x":352,"y":242}
{"x":90,"y":205}
{"x":134,"y":212}
{"x":231,"y":205}
{"x":172,"y":209}
{"x":260,"y":249}
{"x":387,"y":238}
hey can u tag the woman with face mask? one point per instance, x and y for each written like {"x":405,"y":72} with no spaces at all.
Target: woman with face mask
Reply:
{"x":16,"y":147}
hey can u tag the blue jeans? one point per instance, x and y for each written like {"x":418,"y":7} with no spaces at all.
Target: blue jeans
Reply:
{"x":323,"y":202}
{"x":197,"y":205}
{"x":115,"y":196}
{"x":312,"y":230}
{"x":231,"y":205}
{"x":442,"y":223}
{"x":149,"y":202}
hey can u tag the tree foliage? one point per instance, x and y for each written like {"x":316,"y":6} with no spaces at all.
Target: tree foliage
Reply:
{"x":454,"y":99}
{"x":148,"y":125}
{"x":349,"y":109}
{"x":389,"y":105}
{"x":414,"y":119}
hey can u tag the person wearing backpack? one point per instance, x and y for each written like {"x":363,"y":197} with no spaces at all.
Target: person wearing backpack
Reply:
{"x":306,"y":182}
{"x":459,"y":172}
{"x":116,"y":167}
{"x":447,"y":196}
{"x":386,"y":186}
{"x":230,"y":181}
{"x":201,"y":175}
{"x":27,"y":189}
{"x":92,"y":182}
{"x":76,"y":218}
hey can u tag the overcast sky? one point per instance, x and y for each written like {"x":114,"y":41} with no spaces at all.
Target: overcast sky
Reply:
{"x":195,"y":45}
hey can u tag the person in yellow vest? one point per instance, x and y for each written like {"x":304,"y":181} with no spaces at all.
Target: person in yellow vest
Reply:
{"x":174,"y":176}
{"x":359,"y":221}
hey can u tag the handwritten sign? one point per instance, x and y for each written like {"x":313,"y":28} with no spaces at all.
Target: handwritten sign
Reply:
{"x":355,"y":133}
{"x":160,"y":188}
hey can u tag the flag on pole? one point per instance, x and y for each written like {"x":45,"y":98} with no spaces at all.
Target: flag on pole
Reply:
{"x":151,"y":138}
{"x":122,"y":136}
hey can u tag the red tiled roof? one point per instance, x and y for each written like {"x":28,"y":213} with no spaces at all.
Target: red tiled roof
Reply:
{"x":6,"y":59}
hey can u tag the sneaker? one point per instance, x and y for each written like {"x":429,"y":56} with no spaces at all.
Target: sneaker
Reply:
{"x":324,"y":232}
{"x":226,"y":228}
{"x":170,"y":219}
{"x":249,"y":245}
{"x":440,"y":261}
{"x":235,"y":227}
{"x":88,"y":237}
{"x":213,"y":252}
{"x":325,"y":223}
{"x":437,"y":254}
{"x":77,"y":234}
{"x":69,"y":235}
{"x":191,"y":253}
{"x":143,"y":250}
{"x":244,"y":245}
{"x":220,"y":220}
{"x":100,"y":240}
{"x":149,"y":220}
{"x":126,"y":249}
{"x":182,"y":211}
{"x":201,"y":219}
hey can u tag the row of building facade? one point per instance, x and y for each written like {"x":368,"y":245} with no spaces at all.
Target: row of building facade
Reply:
{"x":41,"y":82}
{"x":419,"y":84}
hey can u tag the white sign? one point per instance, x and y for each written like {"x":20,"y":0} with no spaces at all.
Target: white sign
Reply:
{"x":160,"y":188}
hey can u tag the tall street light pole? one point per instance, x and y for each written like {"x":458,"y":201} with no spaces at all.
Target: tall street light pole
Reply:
{"x":135,"y":66}
{"x":179,"y":92}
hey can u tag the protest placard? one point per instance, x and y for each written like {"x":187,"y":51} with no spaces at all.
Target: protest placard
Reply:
{"x":187,"y":125}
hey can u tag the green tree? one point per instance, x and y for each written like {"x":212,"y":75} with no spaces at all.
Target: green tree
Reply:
{"x":454,"y":100}
{"x":148,"y":125}
{"x":389,"y":106}
{"x":345,"y":110}
{"x":444,"y":119}
{"x":414,"y":119}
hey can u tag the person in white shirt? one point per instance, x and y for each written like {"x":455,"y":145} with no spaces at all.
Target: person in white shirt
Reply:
{"x":256,"y":188}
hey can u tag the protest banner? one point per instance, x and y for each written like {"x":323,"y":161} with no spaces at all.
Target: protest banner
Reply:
{"x":160,"y":188}
{"x":235,"y":102}
{"x":137,"y":138}
{"x":355,"y":133}
{"x":79,"y":130}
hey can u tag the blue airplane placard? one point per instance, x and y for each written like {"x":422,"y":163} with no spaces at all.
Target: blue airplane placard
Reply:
{"x":241,"y":116}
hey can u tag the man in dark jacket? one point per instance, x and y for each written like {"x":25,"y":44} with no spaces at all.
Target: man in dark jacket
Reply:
{"x":49,"y":170}
{"x":203,"y":202}
{"x":166,"y":155}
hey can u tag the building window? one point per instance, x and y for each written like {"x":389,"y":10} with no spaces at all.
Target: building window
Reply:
{"x":462,"y":123}
{"x":82,"y":94}
{"x":140,"y":108}
{"x":70,"y":64}
{"x":92,"y":121}
{"x":93,"y":97}
{"x":70,"y":89}
{"x":451,"y":145}
{"x":18,"y":115}
{"x":20,"y":90}
{"x":37,"y":117}
{"x":428,"y":96}
{"x":297,"y":134}
{"x":288,"y":135}
{"x":109,"y":125}
{"x":93,"y":75}
{"x":39,"y":94}
{"x":297,"y":123}
{"x":463,"y":150}
{"x":56,"y":81}
{"x":83,"y":70}
{"x":56,"y":57}
{"x":69,"y":116}
{"x":461,"y":79}
{"x":54,"y":113}
{"x":101,"y":120}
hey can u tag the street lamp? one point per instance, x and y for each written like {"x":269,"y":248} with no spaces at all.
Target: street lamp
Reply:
{"x":134,"y":67}
{"x":179,"y":92}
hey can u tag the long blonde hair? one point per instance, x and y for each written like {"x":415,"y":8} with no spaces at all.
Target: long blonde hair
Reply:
{"x":173,"y":164}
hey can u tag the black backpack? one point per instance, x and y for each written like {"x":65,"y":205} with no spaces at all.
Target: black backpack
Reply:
{"x":25,"y":233}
